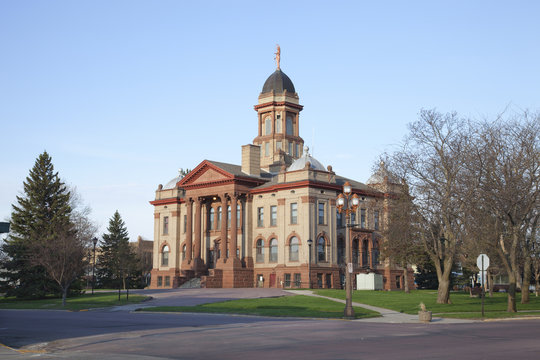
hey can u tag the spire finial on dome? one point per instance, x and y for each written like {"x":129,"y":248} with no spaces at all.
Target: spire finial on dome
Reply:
{"x":278,"y":56}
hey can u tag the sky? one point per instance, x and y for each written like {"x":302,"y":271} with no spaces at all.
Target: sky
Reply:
{"x":122,"y":94}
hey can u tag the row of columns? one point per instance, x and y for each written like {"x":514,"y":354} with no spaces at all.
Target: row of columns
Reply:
{"x":196,"y":244}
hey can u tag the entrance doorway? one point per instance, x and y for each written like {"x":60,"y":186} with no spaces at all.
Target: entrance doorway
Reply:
{"x":272,"y":280}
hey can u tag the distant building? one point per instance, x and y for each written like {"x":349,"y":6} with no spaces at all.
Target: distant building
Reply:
{"x":248,"y":225}
{"x":144,"y":249}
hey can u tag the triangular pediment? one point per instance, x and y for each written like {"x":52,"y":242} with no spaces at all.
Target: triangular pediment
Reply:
{"x":205,"y":173}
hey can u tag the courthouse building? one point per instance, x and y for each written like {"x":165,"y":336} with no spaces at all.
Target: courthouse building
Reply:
{"x":251,"y":225}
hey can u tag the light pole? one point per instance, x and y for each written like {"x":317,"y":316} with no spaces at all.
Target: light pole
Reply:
{"x":348,"y":204}
{"x":309,"y":242}
{"x":94,"y":240}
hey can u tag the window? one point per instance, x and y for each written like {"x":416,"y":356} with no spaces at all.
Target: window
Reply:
{"x":297,"y":150}
{"x":289,"y":126}
{"x":211,"y":219}
{"x":273,"y":215}
{"x":321,"y":213}
{"x":165,"y":225}
{"x":266,"y":149}
{"x":273,"y":250}
{"x":294,"y":213}
{"x":278,"y":145}
{"x":260,"y":217}
{"x":228,"y":217}
{"x":184,"y":252}
{"x":237,"y":216}
{"x":267,"y":126}
{"x":362,"y":218}
{"x":165,"y":256}
{"x":339,"y":219}
{"x":185,"y":222}
{"x":321,"y":249}
{"x":260,"y":251}
{"x":160,"y":281}
{"x":291,"y":148}
{"x":297,"y":280}
{"x":353,"y":218}
{"x":278,"y":124}
{"x":293,"y":249}
{"x":376,"y":219}
{"x":167,"y":281}
{"x":287,"y":280}
{"x":219,"y":217}
{"x":398,"y":285}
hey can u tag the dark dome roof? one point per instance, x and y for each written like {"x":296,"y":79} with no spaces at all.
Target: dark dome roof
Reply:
{"x":278,"y":82}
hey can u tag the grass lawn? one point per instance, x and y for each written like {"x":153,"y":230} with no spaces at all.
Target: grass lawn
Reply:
{"x":286,"y":306}
{"x":83,"y":302}
{"x":463,"y":306}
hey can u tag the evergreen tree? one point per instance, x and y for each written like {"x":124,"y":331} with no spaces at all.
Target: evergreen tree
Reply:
{"x":117,"y":260}
{"x":40,"y":213}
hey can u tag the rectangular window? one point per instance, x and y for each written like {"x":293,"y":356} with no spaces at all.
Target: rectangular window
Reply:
{"x":362,"y":218}
{"x":160,"y":281}
{"x":167,"y":281}
{"x":321,"y":213}
{"x":278,"y":145}
{"x":260,"y":217}
{"x":228,"y":217}
{"x":294,"y":213}
{"x":297,"y":280}
{"x":376,"y":219}
{"x":339,"y":219}
{"x":238,"y":216}
{"x":287,"y":280}
{"x":291,"y":148}
{"x":185,"y":222}
{"x":165,"y":225}
{"x":267,"y":149}
{"x":273,"y":215}
{"x":353,"y":218}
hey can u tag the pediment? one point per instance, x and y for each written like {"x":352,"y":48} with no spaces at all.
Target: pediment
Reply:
{"x":205,"y":173}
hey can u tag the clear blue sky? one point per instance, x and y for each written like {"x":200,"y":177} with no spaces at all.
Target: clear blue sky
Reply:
{"x":123,"y":93}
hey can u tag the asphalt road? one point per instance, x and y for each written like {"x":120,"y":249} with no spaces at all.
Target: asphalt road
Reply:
{"x":126,"y":335}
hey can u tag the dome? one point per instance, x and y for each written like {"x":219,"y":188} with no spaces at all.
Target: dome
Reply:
{"x":172,"y":183}
{"x":300,"y":163}
{"x":278,"y":82}
{"x":380,"y":174}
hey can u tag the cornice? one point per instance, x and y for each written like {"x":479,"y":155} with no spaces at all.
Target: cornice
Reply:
{"x":278,"y":103}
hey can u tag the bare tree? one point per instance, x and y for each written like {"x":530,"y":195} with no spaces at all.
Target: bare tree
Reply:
{"x":432,"y":161}
{"x":62,"y":258}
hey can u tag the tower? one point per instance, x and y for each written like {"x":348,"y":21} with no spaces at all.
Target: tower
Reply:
{"x":278,"y":114}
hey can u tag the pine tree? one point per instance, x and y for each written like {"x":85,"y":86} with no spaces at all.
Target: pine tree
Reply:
{"x":117,"y":260}
{"x":40,"y":213}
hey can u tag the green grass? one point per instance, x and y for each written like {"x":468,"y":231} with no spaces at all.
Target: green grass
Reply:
{"x":286,"y":306}
{"x":463,"y":306}
{"x":83,"y":302}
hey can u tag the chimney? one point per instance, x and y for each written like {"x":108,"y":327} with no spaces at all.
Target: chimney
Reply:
{"x":251,"y":160}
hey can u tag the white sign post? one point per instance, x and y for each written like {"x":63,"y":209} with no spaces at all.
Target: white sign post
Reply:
{"x":483,"y":263}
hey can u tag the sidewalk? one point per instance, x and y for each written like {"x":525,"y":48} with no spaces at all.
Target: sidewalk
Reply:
{"x":388,"y":316}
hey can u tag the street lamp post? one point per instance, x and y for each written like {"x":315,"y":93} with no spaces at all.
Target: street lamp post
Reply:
{"x":94,"y":240}
{"x":348,"y":203}
{"x":309,"y":242}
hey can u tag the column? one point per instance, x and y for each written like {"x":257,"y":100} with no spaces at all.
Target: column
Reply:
{"x":189,"y":230}
{"x":234,"y":233}
{"x":198,"y":238}
{"x":224,"y":214}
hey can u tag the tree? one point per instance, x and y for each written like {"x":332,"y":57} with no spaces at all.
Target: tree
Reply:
{"x":504,"y":167}
{"x":432,"y":162}
{"x":117,"y":260}
{"x":401,"y":245}
{"x":41,"y":214}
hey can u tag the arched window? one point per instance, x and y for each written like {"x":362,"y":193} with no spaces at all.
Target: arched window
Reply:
{"x":321,"y":249}
{"x":273,"y":250}
{"x":219,"y":217}
{"x":260,"y":251}
{"x":278,"y":125}
{"x":165,"y":256}
{"x":289,"y":126}
{"x":211,"y":219}
{"x":293,"y":249}
{"x":267,"y":126}
{"x":184,"y":252}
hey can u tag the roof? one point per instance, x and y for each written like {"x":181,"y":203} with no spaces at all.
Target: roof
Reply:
{"x":300,"y":163}
{"x":382,"y":172}
{"x":278,"y":82}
